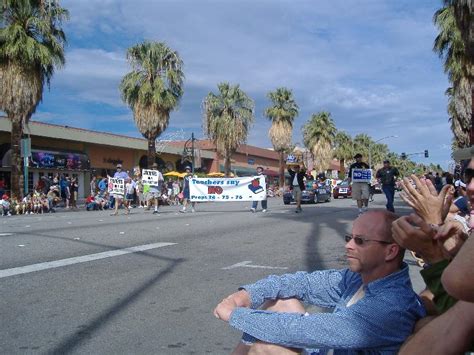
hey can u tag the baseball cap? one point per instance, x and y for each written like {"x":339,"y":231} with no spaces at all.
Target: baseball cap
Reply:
{"x":358,"y":155}
{"x":119,"y":166}
{"x":260,"y":167}
{"x":386,"y":161}
{"x":187,"y":168}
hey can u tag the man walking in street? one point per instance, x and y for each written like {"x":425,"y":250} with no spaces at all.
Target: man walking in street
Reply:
{"x":387,"y":177}
{"x":154,"y":193}
{"x":360,"y":189}
{"x":368,"y":299}
{"x":297,"y":184}
{"x":264,"y":202}
{"x":120,"y":174}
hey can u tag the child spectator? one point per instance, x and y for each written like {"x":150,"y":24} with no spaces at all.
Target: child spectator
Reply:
{"x":5,"y":203}
{"x":91,"y":204}
{"x":129,"y":194}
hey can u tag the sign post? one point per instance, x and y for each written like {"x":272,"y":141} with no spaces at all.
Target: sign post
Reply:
{"x":25,"y":153}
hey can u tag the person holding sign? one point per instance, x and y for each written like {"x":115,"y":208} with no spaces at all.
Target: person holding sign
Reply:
{"x":360,"y":175}
{"x":154,"y":179}
{"x":264,"y":202}
{"x":186,"y":191}
{"x":296,"y":184}
{"x":119,"y":174}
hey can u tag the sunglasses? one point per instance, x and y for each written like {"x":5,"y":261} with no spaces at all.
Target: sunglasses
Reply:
{"x":468,"y":175}
{"x":359,"y":240}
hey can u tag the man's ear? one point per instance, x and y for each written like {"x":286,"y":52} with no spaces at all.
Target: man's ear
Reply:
{"x":391,"y":252}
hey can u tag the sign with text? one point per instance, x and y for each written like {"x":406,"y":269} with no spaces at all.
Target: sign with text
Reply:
{"x":151,"y":177}
{"x":361,"y":175}
{"x":116,"y":186}
{"x":251,"y":188}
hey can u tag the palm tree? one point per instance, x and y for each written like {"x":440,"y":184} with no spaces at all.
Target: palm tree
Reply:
{"x":344,"y":149}
{"x":362,"y":142}
{"x":227,"y":120}
{"x":464,"y":14}
{"x":282,"y":114}
{"x":152,"y":89}
{"x":318,"y":136}
{"x":450,"y":46}
{"x":31,"y":48}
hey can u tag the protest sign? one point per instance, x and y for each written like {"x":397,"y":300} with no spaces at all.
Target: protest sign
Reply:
{"x":116,"y":186}
{"x":151,"y":177}
{"x":361,"y":175}
{"x":252,"y":188}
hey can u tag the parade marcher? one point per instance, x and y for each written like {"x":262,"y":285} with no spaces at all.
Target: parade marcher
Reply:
{"x":264,"y":202}
{"x":297,"y":184}
{"x":368,"y":298}
{"x":186,"y":192}
{"x":119,"y":174}
{"x":360,"y":190}
{"x":154,"y":192}
{"x":387,"y":176}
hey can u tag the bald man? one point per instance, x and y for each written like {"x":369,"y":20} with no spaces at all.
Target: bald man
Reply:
{"x":374,"y":305}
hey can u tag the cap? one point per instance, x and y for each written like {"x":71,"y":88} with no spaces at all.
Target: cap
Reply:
{"x":358,"y":155}
{"x":386,"y":161}
{"x":5,"y":197}
{"x":187,"y":168}
{"x":260,"y":167}
{"x":119,"y":165}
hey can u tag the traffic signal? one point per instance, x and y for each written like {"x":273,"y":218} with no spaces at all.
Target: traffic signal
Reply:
{"x":403,"y":156}
{"x":426,"y":153}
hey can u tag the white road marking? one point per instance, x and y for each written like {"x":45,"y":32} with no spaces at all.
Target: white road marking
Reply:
{"x":5,"y":234}
{"x":21,"y":245}
{"x":246,"y":264}
{"x":27,"y":226}
{"x":79,"y":259}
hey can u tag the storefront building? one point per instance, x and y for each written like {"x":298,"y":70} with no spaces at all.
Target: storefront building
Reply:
{"x":82,"y":153}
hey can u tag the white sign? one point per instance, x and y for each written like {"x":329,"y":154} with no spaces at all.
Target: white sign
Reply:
{"x":252,"y":188}
{"x":361,"y":175}
{"x":116,"y":186}
{"x":151,"y":177}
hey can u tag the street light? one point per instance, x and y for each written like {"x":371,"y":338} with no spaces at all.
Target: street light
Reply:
{"x":370,"y":148}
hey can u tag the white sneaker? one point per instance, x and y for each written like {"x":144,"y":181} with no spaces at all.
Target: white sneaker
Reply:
{"x":182,"y":210}
{"x":193,"y":210}
{"x":253,"y":210}
{"x":264,"y":210}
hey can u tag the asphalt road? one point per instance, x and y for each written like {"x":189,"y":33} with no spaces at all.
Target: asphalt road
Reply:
{"x":69,"y":287}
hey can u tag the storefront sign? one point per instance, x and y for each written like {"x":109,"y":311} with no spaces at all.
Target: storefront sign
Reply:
{"x":56,"y":160}
{"x":151,"y":177}
{"x":252,"y":188}
{"x":116,"y":186}
{"x":361,"y":175}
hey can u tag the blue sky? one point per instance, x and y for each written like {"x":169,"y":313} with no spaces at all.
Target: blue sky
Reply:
{"x":368,"y":62}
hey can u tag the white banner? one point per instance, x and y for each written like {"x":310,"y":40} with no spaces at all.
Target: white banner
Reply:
{"x":252,"y":188}
{"x":151,"y":177}
{"x":116,"y":186}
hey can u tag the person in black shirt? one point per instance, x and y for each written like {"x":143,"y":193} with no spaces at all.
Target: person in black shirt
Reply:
{"x":360,"y":190}
{"x":387,"y":176}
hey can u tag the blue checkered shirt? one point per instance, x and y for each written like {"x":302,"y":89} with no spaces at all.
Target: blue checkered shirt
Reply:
{"x":377,"y":324}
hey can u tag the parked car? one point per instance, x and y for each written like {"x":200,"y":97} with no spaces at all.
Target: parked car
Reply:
{"x":320,"y":193}
{"x":342,"y":189}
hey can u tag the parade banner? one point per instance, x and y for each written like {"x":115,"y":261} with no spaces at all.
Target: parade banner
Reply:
{"x":361,"y":175}
{"x":252,"y":188}
{"x":116,"y":186}
{"x":151,"y":177}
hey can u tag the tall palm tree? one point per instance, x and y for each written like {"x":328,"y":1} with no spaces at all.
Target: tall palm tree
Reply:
{"x":344,"y":149}
{"x":281,"y":113}
{"x":227,"y":120}
{"x":464,"y":14}
{"x":31,"y":48}
{"x":318,"y":136}
{"x":449,"y":45}
{"x":362,"y":142}
{"x":152,"y":89}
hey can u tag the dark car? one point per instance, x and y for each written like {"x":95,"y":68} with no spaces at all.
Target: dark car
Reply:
{"x":321,"y":193}
{"x":342,"y":189}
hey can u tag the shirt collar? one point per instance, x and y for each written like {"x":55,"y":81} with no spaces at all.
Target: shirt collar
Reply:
{"x":401,"y":276}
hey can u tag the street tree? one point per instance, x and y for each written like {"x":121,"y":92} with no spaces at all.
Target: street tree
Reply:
{"x":152,"y":89}
{"x":228,"y":116}
{"x":449,"y":45}
{"x":318,"y":136}
{"x":31,"y":48}
{"x":281,"y":113}
{"x":343,"y":149}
